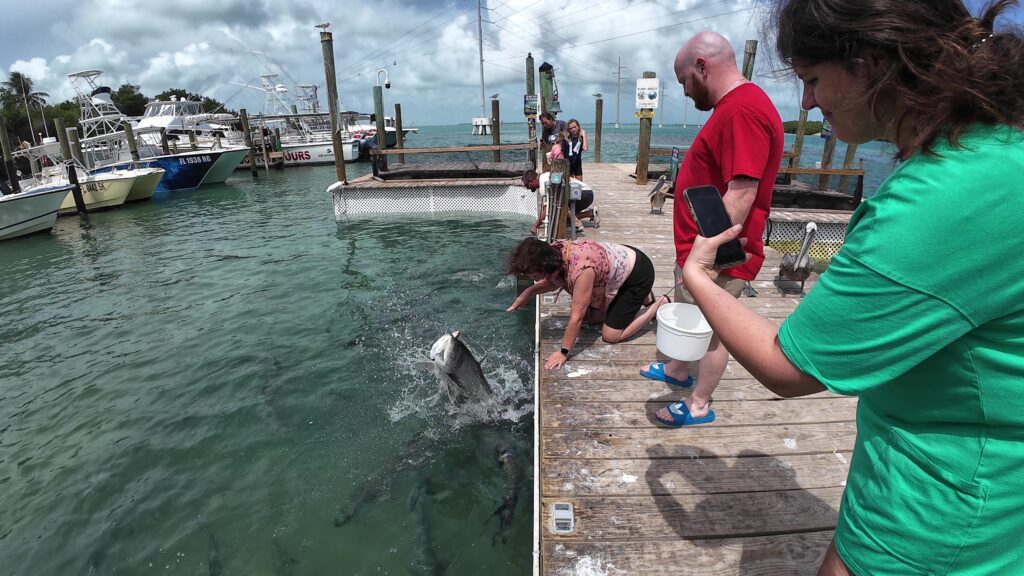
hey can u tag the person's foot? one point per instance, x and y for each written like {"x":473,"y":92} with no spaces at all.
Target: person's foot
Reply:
{"x":595,"y":220}
{"x":685,"y":412}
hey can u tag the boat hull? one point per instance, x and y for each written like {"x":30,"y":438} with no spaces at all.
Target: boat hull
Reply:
{"x":183,"y":171}
{"x":30,"y":212}
{"x":145,"y":184}
{"x":225,"y":165}
{"x":99,"y":193}
{"x":316,"y":154}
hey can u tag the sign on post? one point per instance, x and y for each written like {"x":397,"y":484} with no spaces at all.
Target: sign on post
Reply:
{"x":647,"y":93}
{"x":530,"y":105}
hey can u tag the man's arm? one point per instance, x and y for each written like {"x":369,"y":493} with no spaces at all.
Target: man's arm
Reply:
{"x":739,"y":197}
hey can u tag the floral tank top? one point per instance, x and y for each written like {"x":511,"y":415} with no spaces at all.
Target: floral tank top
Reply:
{"x":612,"y":264}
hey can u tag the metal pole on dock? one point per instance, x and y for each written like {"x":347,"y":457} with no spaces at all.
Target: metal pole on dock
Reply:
{"x":5,"y":147}
{"x":399,"y":134}
{"x":247,"y":132}
{"x":496,"y":127}
{"x":129,"y":135}
{"x":749,"y":54}
{"x":327,"y":44}
{"x":598,"y":112}
{"x":643,"y":153}
{"x":531,"y":119}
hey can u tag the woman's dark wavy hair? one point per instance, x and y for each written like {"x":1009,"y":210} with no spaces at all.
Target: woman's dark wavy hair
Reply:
{"x":532,"y":255}
{"x":949,"y":68}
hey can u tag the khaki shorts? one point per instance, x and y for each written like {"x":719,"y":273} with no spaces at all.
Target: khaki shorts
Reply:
{"x":731,"y":285}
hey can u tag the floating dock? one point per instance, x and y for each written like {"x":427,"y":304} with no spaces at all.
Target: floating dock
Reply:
{"x":755,"y":492}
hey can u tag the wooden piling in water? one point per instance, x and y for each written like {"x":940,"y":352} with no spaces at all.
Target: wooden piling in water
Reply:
{"x":76,"y":145}
{"x":5,"y":148}
{"x":798,"y":143}
{"x":129,"y":135}
{"x":247,"y":132}
{"x":327,"y":45}
{"x":380,"y":162}
{"x":844,"y":181}
{"x":192,"y":142}
{"x":496,"y":127}
{"x":598,"y":112}
{"x":70,"y":147}
{"x":643,"y":153}
{"x":826,"y":161}
{"x":749,"y":55}
{"x":399,"y":135}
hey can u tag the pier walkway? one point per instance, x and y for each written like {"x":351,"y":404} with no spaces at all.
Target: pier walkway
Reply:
{"x":755,"y":492}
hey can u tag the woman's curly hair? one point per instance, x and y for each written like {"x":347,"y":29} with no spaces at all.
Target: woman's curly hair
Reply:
{"x":947,"y":68}
{"x":532,"y":256}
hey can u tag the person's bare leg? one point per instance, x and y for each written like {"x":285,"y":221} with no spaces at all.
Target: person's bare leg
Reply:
{"x":709,"y":374}
{"x":832,"y":564}
{"x":614,"y":336}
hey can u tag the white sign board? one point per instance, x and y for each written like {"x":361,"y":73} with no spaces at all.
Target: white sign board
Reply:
{"x":647,"y":93}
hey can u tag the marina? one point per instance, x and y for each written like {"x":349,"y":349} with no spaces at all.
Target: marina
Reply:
{"x":222,"y":368}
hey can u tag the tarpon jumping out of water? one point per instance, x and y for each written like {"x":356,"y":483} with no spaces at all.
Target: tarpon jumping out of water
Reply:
{"x":461,"y":376}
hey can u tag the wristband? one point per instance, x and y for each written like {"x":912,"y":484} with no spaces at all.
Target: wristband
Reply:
{"x":565,"y":352}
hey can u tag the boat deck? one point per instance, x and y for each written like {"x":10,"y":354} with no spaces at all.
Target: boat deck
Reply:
{"x":755,"y":492}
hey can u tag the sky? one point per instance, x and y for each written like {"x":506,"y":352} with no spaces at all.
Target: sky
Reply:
{"x":429,"y":49}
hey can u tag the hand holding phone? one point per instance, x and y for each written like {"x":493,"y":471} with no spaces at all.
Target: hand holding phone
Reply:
{"x":708,"y":210}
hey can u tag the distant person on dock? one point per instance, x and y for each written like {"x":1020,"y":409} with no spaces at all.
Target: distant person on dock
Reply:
{"x":574,"y":144}
{"x":584,"y":206}
{"x":739,"y":151}
{"x":550,"y":129}
{"x":921,"y":313}
{"x":609,"y":283}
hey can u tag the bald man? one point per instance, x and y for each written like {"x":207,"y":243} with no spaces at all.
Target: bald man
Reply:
{"x":738,"y":151}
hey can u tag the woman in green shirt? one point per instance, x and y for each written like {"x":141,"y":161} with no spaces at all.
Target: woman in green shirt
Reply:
{"x":921,"y":313}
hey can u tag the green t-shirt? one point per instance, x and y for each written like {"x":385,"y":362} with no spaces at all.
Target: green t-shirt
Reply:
{"x":921,"y":315}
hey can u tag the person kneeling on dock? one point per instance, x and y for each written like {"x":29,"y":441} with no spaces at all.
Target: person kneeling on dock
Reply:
{"x":584,"y":206}
{"x":609,"y":283}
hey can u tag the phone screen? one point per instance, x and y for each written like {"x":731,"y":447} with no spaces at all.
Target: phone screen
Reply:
{"x":712,"y":219}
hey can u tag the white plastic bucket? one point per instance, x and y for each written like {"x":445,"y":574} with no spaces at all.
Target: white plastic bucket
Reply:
{"x":683,"y":332}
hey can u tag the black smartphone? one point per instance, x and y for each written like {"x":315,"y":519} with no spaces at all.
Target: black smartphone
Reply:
{"x":712,"y":219}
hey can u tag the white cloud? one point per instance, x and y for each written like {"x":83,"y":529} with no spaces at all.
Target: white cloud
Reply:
{"x":430,"y":49}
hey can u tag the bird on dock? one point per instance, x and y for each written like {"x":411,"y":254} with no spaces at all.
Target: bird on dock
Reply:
{"x":324,"y":26}
{"x":798,"y":266}
{"x":494,"y":96}
{"x":658,"y":196}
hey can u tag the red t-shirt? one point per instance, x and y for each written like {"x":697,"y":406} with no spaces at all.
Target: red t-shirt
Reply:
{"x":743,"y":137}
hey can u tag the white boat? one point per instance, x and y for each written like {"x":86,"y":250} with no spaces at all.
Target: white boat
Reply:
{"x":99,"y":189}
{"x":30,"y":211}
{"x":362,"y":129}
{"x":146,"y":181}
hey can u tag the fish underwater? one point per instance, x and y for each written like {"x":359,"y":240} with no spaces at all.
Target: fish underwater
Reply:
{"x":513,"y":478}
{"x":462,"y":379}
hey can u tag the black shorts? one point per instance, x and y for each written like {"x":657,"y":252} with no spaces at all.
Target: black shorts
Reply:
{"x":627,"y":303}
{"x":586,"y":199}
{"x":576,"y":166}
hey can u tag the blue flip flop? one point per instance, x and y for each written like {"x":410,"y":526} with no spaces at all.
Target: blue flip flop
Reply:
{"x":680,"y":416}
{"x":656,"y":371}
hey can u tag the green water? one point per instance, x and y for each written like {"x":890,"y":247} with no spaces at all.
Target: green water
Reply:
{"x":204,"y":382}
{"x":200,"y":383}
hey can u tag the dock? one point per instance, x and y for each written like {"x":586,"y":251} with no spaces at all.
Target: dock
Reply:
{"x":755,"y":492}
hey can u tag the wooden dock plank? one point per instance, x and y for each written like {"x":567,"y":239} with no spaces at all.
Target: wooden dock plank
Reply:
{"x":755,"y":492}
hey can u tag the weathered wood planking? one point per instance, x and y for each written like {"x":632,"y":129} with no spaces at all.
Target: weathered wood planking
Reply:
{"x":756,"y":492}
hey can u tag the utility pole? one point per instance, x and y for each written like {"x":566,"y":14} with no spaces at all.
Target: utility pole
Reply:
{"x":618,"y":91}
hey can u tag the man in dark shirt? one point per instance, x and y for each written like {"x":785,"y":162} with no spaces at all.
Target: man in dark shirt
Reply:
{"x":551,"y":129}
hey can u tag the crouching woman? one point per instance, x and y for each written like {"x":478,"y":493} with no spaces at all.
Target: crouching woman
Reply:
{"x":609,"y":283}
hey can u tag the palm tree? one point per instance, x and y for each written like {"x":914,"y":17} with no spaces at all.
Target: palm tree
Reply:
{"x":21,"y":86}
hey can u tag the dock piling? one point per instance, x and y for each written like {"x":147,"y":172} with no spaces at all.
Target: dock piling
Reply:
{"x":243,"y":115}
{"x":643,"y":153}
{"x":598,"y":112}
{"x":76,"y":145}
{"x":399,"y":135}
{"x":129,"y":135}
{"x":496,"y":127}
{"x":749,"y":54}
{"x":327,"y":44}
{"x":531,"y":119}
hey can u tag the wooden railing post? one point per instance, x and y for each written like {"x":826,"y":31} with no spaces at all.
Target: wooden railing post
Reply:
{"x":643,"y":155}
{"x":598,"y":111}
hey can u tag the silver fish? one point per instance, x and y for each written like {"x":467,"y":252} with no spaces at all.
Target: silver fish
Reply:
{"x":461,"y":376}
